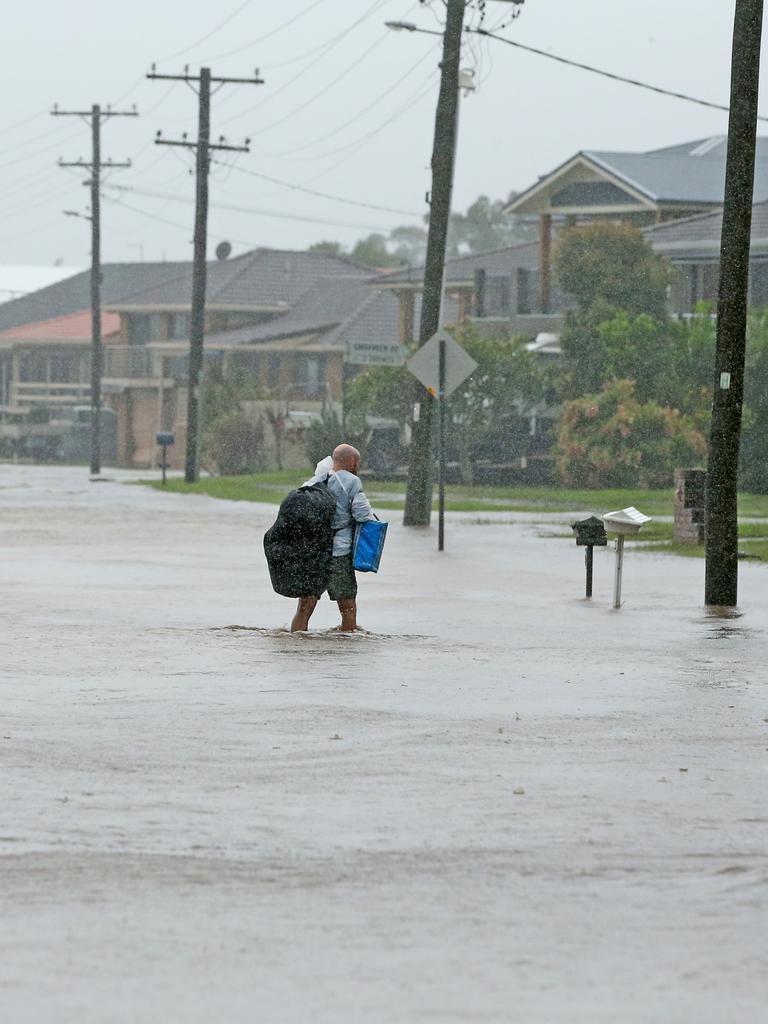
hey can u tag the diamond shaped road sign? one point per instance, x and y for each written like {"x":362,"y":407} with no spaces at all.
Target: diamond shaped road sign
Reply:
{"x":424,"y":364}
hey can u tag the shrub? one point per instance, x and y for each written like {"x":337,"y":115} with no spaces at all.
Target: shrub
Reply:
{"x":611,"y":439}
{"x":235,"y":444}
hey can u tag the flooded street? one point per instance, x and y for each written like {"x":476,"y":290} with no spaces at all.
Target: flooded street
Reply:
{"x":501,"y":803}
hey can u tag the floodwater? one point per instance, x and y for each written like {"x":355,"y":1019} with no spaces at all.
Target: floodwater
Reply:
{"x":500,"y":803}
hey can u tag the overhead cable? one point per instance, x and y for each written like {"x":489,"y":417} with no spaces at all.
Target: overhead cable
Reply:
{"x":207,"y":36}
{"x":268,"y":35}
{"x":605,"y":74}
{"x":324,"y":195}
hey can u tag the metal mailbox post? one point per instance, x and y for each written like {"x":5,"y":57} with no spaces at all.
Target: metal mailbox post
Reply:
{"x":164,"y":438}
{"x":590,"y":533}
{"x":627,"y":521}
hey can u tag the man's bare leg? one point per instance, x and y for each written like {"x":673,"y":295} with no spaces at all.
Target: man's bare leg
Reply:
{"x":303,"y":614}
{"x":348,"y":609}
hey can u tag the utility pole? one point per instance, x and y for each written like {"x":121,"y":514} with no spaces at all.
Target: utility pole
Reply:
{"x":95,"y":165}
{"x":418,"y":498}
{"x":203,"y":148}
{"x":721,"y":575}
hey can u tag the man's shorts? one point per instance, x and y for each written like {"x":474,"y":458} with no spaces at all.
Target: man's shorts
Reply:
{"x":342,"y":582}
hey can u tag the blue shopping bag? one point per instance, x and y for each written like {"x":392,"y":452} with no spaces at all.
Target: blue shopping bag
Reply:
{"x":369,"y":543}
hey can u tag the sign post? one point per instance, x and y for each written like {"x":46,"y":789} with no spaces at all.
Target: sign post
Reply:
{"x":441,"y":364}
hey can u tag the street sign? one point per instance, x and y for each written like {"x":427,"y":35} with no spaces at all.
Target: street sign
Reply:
{"x":371,"y":353}
{"x":424,"y":364}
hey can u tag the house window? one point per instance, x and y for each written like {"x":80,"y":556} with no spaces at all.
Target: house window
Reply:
{"x":33,"y":367}
{"x":497,"y":296}
{"x":144,"y":327}
{"x":273,"y":376}
{"x":64,"y":368}
{"x":524,"y":291}
{"x":179,"y":325}
{"x":138,"y":329}
{"x":758,"y":284}
{"x":311,"y":372}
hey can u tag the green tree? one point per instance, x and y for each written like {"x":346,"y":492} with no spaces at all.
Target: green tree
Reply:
{"x":373,"y":251}
{"x":327,"y":248}
{"x":611,"y":439}
{"x":485,"y":226}
{"x":612,"y":264}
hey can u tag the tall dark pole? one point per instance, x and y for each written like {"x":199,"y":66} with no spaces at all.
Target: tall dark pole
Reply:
{"x":197,"y":320}
{"x":96,"y":116}
{"x":204,"y":148}
{"x":96,"y":347}
{"x":721,"y":576}
{"x":418,"y":498}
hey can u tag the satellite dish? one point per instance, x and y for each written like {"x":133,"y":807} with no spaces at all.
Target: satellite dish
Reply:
{"x":223,"y":249}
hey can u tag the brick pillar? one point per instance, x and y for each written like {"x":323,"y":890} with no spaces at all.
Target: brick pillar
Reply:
{"x":545,"y":260}
{"x":690,"y":485}
{"x":405,"y":300}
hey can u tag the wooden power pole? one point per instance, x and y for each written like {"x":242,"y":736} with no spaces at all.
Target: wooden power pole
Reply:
{"x":418,"y":498}
{"x":721,"y":575}
{"x":203,"y":148}
{"x":96,"y":115}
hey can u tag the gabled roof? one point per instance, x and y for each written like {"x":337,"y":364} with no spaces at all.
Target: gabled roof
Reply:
{"x":700,"y":234}
{"x":74,"y":293}
{"x":71,"y":327}
{"x":688,"y":174}
{"x":263,"y":279}
{"x":461,"y":270}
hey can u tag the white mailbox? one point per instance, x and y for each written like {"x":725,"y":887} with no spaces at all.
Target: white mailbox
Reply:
{"x":625,"y":522}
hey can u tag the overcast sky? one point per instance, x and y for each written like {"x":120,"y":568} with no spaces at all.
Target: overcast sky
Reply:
{"x":347,"y":108}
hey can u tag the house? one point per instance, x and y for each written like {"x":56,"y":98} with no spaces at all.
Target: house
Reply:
{"x":673,"y":195}
{"x":654,"y":187}
{"x":693,"y":245}
{"x":48,"y":364}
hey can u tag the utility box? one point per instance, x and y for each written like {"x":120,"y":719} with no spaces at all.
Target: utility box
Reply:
{"x":590,"y":532}
{"x":690,"y":491}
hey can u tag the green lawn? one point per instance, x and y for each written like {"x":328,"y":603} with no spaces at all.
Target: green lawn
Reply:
{"x":387,"y":494}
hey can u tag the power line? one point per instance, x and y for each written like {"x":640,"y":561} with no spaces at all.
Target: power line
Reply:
{"x":321,"y":92}
{"x":355,"y":117}
{"x":256,"y":211}
{"x":268,"y":35}
{"x":324,"y":195}
{"x":207,"y":36}
{"x":605,"y":74}
{"x":332,"y":45}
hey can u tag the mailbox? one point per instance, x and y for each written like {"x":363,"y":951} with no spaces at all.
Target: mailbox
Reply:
{"x":590,"y":532}
{"x":164,"y":438}
{"x":624,"y":523}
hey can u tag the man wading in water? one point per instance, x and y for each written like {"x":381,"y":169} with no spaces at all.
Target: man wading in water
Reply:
{"x":339,"y":473}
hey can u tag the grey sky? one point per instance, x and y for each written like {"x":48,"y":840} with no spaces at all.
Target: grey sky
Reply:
{"x":528,"y":114}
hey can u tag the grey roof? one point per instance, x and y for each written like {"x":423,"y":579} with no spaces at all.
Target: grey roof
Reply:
{"x":74,"y":293}
{"x":497,"y":261}
{"x":323,"y":307}
{"x":700,"y":234}
{"x":690,"y":173}
{"x":257,"y":279}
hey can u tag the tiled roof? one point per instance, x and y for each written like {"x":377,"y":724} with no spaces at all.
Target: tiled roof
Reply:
{"x":497,"y":261}
{"x":270,"y":278}
{"x":701,"y":234}
{"x":689,"y":173}
{"x":74,"y":293}
{"x":71,"y":327}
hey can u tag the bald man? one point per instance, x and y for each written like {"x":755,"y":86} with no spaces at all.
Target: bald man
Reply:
{"x":339,"y":472}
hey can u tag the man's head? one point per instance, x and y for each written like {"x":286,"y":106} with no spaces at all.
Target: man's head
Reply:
{"x":346,"y":457}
